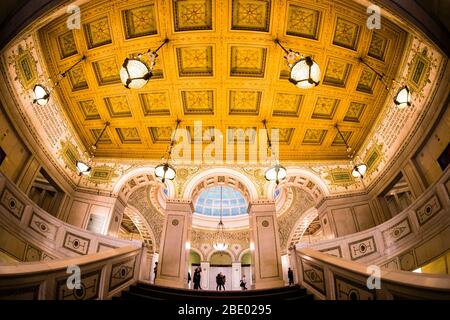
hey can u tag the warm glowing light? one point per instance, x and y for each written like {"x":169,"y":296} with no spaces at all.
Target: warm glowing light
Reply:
{"x":188,"y":245}
{"x":134,"y":73}
{"x":82,"y":167}
{"x":41,"y":95}
{"x":403,"y":98}
{"x":276,"y":173}
{"x":165,"y":171}
{"x":305,"y":73}
{"x":252,"y":246}
{"x":220,"y":246}
{"x":359,"y":170}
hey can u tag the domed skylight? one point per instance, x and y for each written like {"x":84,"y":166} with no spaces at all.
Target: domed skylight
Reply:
{"x":233,"y":202}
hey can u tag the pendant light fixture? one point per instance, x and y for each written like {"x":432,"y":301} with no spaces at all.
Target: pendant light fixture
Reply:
{"x":402,"y":98}
{"x":276,"y":172}
{"x":42,"y":94}
{"x":135,"y":72}
{"x":219,"y":241}
{"x":304,"y":71}
{"x":359,"y":168}
{"x":165,"y":170}
{"x":85,"y":167}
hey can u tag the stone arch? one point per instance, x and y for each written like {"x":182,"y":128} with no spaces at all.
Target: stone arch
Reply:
{"x":197,"y":251}
{"x":228,"y":251}
{"x":301,"y":226}
{"x":136,"y":178}
{"x":243,"y":252}
{"x":215,"y":176}
{"x":143,"y":227}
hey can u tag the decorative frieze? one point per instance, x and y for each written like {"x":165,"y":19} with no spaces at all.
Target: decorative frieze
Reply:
{"x":12,"y":204}
{"x":396,"y":232}
{"x":76,"y":243}
{"x":362,"y":248}
{"x":428,"y":210}
{"x":43,"y":227}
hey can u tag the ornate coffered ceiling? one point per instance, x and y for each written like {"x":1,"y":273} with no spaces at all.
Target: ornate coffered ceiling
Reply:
{"x":222,"y":67}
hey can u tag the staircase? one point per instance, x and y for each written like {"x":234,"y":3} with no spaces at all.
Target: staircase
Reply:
{"x":143,"y":291}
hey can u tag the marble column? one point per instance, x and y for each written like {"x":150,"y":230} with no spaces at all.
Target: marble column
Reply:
{"x":264,"y":234}
{"x":173,"y":255}
{"x":204,"y":281}
{"x":236,"y":275}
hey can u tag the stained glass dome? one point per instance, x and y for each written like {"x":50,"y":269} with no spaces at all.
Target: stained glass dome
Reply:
{"x":233,"y":202}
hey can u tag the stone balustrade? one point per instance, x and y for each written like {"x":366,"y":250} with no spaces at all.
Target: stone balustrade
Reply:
{"x":28,"y":233}
{"x":412,"y":238}
{"x":102,"y":276}
{"x":332,"y":278}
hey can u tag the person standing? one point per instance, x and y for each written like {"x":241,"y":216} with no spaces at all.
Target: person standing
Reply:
{"x":197,"y":279}
{"x":243,"y":283}
{"x":189,"y":279}
{"x":223,"y":280}
{"x":291,"y":277}
{"x":155,"y":271}
{"x":218,"y":282}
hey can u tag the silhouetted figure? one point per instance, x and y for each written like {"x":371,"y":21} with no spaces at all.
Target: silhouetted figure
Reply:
{"x":189,"y":277}
{"x":155,"y":271}
{"x":197,"y":278}
{"x":243,"y":283}
{"x":291,"y":277}
{"x":220,"y":280}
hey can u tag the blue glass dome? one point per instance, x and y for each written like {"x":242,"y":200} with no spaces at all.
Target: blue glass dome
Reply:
{"x":233,"y":202}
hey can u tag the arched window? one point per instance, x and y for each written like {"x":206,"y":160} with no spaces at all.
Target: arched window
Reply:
{"x":233,"y":202}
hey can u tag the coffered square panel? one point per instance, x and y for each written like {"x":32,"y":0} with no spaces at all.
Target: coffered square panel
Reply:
{"x":244,"y":102}
{"x":336,"y":73}
{"x":366,"y":81}
{"x":325,"y":108}
{"x":378,"y":46}
{"x":248,"y":61}
{"x":139,"y":22}
{"x":67,"y":45}
{"x":89,"y":110}
{"x":191,"y":15}
{"x":195,"y":61}
{"x":205,"y":135}
{"x":160,"y":134}
{"x":77,"y":78}
{"x":287,"y":105}
{"x":155,"y":103}
{"x":198,"y":102}
{"x":284,"y":135}
{"x":237,"y":135}
{"x":106,"y":71}
{"x":354,"y":112}
{"x":98,"y":33}
{"x":250,"y":15}
{"x":128,"y":135}
{"x":337,"y":141}
{"x":118,"y":107}
{"x":346,"y":34}
{"x":303,"y":22}
{"x":104,"y":139}
{"x":314,"y":136}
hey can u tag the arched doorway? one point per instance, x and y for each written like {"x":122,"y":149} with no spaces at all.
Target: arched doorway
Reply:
{"x":220,"y":262}
{"x":246,"y":268}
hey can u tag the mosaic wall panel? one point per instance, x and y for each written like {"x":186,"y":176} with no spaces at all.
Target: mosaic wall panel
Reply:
{"x":190,"y":15}
{"x":346,"y":34}
{"x":102,"y":174}
{"x":106,"y":71}
{"x":128,"y":135}
{"x":354,"y":112}
{"x":313,"y":275}
{"x":76,"y":243}
{"x":88,"y":290}
{"x":98,"y":33}
{"x":118,"y":107}
{"x":419,"y":71}
{"x":139,"y":22}
{"x":337,"y":73}
{"x":362,"y":248}
{"x":341,"y":177}
{"x":198,"y":102}
{"x":121,"y":273}
{"x":89,"y":110}
{"x":42,"y":226}
{"x":396,"y":232}
{"x":25,"y":68}
{"x":155,"y":103}
{"x":248,"y":62}
{"x":349,"y":290}
{"x":12,"y":204}
{"x":335,"y":251}
{"x":244,"y":102}
{"x":287,"y":105}
{"x":428,"y":210}
{"x":67,"y":45}
{"x":195,"y":61}
{"x":251,"y":15}
{"x":314,"y":136}
{"x":303,"y":22}
{"x":325,"y":108}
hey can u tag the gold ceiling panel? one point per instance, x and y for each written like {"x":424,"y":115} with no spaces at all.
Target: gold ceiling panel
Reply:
{"x":222,"y":67}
